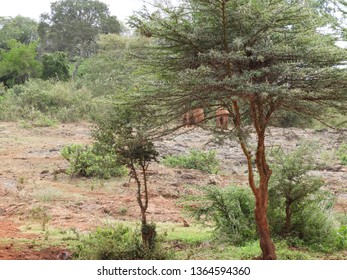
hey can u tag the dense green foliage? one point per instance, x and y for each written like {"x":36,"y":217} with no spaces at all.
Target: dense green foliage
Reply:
{"x":19,"y":28}
{"x":18,"y":63}
{"x":55,"y":66}
{"x":196,"y":159}
{"x":299,"y":209}
{"x":232,"y":212}
{"x":116,"y":243}
{"x":91,"y":162}
{"x":113,"y":71}
{"x":74,"y":25}
{"x":342,"y":153}
{"x":290,"y":185}
{"x":38,"y":99}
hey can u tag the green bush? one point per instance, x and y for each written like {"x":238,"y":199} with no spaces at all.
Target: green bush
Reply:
{"x":88,"y":162}
{"x":298,"y":209}
{"x":204,"y":161}
{"x":341,"y":240}
{"x":116,"y":243}
{"x":55,"y":66}
{"x":56,"y":100}
{"x":342,"y":153}
{"x":231,"y":212}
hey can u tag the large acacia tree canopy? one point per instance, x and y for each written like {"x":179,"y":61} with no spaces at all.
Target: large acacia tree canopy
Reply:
{"x":252,"y":57}
{"x":213,"y":52}
{"x":73,"y":26}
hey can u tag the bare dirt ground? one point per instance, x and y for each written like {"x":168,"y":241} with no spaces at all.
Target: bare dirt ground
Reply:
{"x":32,"y":181}
{"x":31,"y":178}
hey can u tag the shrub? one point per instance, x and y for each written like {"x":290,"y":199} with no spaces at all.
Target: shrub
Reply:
{"x":88,"y":162}
{"x":342,"y":153}
{"x":290,"y":186}
{"x":56,"y":100}
{"x":116,"y":243}
{"x":41,"y":215}
{"x":298,"y":209}
{"x":204,"y":161}
{"x":341,"y":240}
{"x":55,"y":66}
{"x":231,"y":210}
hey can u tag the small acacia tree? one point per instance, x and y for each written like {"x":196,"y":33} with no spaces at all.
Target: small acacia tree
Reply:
{"x":291,"y":186}
{"x":125,"y":133}
{"x":254,"y":58}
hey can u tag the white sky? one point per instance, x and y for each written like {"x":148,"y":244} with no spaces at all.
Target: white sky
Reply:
{"x":33,"y":8}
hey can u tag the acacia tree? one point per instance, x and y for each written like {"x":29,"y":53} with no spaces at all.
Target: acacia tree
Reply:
{"x":254,"y":58}
{"x":127,"y":133}
{"x":123,"y":126}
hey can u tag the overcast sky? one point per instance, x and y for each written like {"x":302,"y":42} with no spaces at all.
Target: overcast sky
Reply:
{"x":33,"y":8}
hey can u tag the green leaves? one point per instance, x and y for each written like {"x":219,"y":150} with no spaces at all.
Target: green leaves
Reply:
{"x":196,"y":159}
{"x":89,"y":162}
{"x":21,"y":29}
{"x":219,"y":51}
{"x":73,"y":26}
{"x":18,"y":63}
{"x":55,"y":66}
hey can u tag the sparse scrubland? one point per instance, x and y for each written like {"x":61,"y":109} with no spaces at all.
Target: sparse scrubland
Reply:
{"x":94,"y":165}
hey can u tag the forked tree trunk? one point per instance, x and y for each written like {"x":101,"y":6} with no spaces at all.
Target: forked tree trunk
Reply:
{"x":148,"y":232}
{"x":260,"y":190}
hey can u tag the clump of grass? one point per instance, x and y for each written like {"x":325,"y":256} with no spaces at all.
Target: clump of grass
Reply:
{"x":117,"y":242}
{"x":196,"y":159}
{"x":342,"y":153}
{"x":48,"y":194}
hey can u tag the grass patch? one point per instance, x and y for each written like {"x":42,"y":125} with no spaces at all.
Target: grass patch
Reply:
{"x":49,"y":194}
{"x":194,"y":242}
{"x":196,"y":159}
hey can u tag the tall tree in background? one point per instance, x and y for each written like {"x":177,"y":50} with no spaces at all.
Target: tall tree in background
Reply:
{"x":73,"y":26}
{"x":19,"y":28}
{"x":254,"y":58}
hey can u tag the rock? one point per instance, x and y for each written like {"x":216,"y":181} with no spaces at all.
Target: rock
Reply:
{"x":63,"y":256}
{"x":213,"y":180}
{"x":185,"y":223}
{"x":188,"y":176}
{"x":335,"y":168}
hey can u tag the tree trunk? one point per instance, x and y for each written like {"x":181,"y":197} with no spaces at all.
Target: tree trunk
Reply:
{"x":261,"y":191}
{"x":266,"y":244}
{"x":75,"y":71}
{"x":287,"y":225}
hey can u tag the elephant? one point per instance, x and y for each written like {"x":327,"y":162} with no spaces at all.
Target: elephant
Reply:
{"x":222,"y":116}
